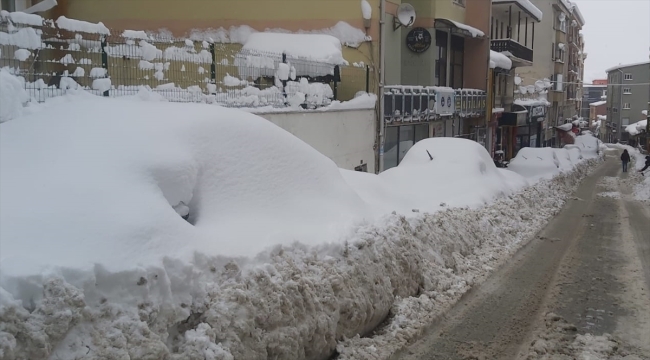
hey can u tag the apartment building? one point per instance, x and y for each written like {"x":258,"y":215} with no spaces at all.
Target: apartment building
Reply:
{"x":512,"y":33}
{"x":561,"y":59}
{"x":628,"y":96}
{"x":591,"y":93}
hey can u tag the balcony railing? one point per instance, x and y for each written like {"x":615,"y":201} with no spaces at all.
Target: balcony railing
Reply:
{"x":513,"y":47}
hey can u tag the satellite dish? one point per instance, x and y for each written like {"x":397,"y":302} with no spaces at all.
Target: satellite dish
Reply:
{"x":405,"y":16}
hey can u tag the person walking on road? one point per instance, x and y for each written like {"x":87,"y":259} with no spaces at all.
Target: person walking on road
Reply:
{"x":647,"y":164}
{"x":625,"y":158}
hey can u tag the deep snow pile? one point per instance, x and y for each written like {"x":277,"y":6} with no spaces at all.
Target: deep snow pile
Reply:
{"x":97,"y":262}
{"x":544,"y":163}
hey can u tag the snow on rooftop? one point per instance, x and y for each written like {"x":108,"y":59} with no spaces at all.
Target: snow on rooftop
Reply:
{"x":82,"y":26}
{"x":598,"y":103}
{"x":578,"y":14}
{"x":498,"y":60}
{"x":316,"y":47}
{"x":22,"y":18}
{"x":565,"y":127}
{"x":472,"y":30}
{"x":621,"y":66}
{"x":525,"y":4}
{"x":636,"y":128}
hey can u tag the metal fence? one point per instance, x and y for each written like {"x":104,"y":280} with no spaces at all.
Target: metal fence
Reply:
{"x":53,"y":61}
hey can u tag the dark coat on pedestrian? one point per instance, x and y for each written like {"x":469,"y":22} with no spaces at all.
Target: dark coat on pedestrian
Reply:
{"x":625,"y":157}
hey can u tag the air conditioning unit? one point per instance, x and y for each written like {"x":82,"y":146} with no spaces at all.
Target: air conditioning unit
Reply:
{"x":559,"y":86}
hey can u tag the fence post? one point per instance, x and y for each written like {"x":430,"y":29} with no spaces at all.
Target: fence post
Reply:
{"x":213,"y":66}
{"x":284,"y":82}
{"x":105,"y":60}
{"x":337,"y":79}
{"x":367,"y":79}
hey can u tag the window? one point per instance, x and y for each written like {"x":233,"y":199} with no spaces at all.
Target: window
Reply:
{"x":459,"y":2}
{"x":625,"y":121}
{"x":457,"y":59}
{"x":626,"y":106}
{"x":627,"y":91}
{"x":441,"y":62}
{"x":628,"y":76}
{"x":615,"y":110}
{"x":8,"y":5}
{"x":399,"y":139}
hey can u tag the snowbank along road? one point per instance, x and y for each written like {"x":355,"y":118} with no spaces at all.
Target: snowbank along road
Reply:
{"x":581,"y":289}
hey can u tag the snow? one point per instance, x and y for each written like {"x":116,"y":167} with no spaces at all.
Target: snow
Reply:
{"x":79,"y":72}
{"x":22,"y":54}
{"x":67,"y":59}
{"x":461,"y":167}
{"x":95,"y":252}
{"x":526,"y":4}
{"x":621,"y":66}
{"x":135,"y":34}
{"x":346,"y":33}
{"x":98,"y":72}
{"x":536,"y":163}
{"x":101,"y":85}
{"x":598,"y":103}
{"x":26,"y":38}
{"x":12,"y":96}
{"x":320,"y":48}
{"x":81,"y":26}
{"x":229,"y":80}
{"x":18,"y":17}
{"x":498,"y":110}
{"x":637,"y":127}
{"x":644,"y":112}
{"x":366,"y":9}
{"x":472,"y":30}
{"x":532,"y":102}
{"x":499,"y":60}
{"x":565,"y":127}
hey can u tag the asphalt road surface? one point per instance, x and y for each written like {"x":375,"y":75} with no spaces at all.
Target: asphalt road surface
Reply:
{"x":587,"y":272}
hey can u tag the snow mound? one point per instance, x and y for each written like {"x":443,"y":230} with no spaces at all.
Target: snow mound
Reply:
{"x":460,"y":174}
{"x":12,"y":96}
{"x":114,"y":205}
{"x":536,"y":163}
{"x":498,"y":60}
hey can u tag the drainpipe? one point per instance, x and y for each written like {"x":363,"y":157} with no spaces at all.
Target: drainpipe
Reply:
{"x":620,"y":103}
{"x":489,"y":81}
{"x":382,"y":82}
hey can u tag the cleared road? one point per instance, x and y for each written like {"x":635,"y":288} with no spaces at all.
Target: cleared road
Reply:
{"x":590,"y":266}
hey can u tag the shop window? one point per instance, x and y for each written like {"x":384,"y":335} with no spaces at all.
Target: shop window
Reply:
{"x":399,"y":139}
{"x":406,"y":140}
{"x":390,"y":147}
{"x":441,"y":60}
{"x":457,"y":59}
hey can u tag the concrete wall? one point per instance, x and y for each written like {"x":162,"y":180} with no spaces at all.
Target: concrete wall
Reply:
{"x":347,"y":137}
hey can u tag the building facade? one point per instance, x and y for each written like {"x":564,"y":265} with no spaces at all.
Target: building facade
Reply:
{"x":592,"y":93}
{"x":561,"y":60}
{"x":628,"y":95}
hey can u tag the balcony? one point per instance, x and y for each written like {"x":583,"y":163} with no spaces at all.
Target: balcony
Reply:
{"x":519,"y":54}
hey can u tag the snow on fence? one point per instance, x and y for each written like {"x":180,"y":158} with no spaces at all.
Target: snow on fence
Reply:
{"x":56,"y":56}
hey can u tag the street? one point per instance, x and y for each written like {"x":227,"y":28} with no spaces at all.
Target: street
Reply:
{"x":587,"y":272}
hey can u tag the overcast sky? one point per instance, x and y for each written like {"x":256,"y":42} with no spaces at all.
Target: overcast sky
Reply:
{"x":616,"y":32}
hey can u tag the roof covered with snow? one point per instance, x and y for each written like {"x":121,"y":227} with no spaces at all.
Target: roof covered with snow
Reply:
{"x":565,"y":127}
{"x":598,"y":103}
{"x":498,"y":60}
{"x":474,"y":32}
{"x":636,"y":128}
{"x":532,"y":102}
{"x":526,"y":5}
{"x":315,"y":47}
{"x":622,"y":66}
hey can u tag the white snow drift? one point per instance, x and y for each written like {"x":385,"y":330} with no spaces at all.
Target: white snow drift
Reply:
{"x":282,"y":256}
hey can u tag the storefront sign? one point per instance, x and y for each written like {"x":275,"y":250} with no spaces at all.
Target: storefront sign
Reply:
{"x":537,"y":111}
{"x":418,"y":40}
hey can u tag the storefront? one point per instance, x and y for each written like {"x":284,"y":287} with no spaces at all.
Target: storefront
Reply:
{"x":536,"y":121}
{"x":513,"y":132}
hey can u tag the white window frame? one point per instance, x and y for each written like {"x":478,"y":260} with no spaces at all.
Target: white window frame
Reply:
{"x":625,"y":121}
{"x":628,"y":76}
{"x":627,"y":91}
{"x":626,"y":106}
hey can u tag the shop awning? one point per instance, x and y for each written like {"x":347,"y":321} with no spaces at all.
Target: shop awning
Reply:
{"x":514,"y":118}
{"x":457,"y":28}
